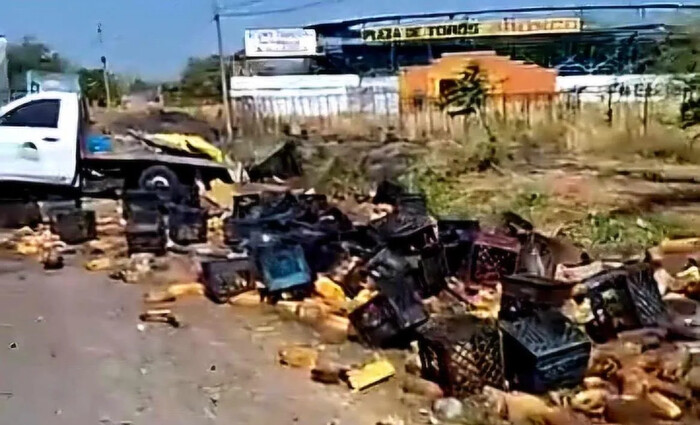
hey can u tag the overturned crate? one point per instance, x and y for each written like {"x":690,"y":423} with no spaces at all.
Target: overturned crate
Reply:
{"x":405,"y":232}
{"x":461,"y":354}
{"x":321,"y":249}
{"x":523,"y":294}
{"x":491,"y":257}
{"x":16,"y":214}
{"x":543,"y":351}
{"x":145,"y":232}
{"x":392,"y":316}
{"x":244,"y":205}
{"x":74,"y":226}
{"x":457,"y":236}
{"x":283,"y":268}
{"x":387,"y":321}
{"x":623,"y":299}
{"x":187,"y":225}
{"x":412,"y":203}
{"x":431,"y":271}
{"x":226,"y":278}
{"x":135,"y":200}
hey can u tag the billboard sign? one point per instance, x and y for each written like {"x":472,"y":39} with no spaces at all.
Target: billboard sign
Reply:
{"x":280,"y":42}
{"x":471,"y":28}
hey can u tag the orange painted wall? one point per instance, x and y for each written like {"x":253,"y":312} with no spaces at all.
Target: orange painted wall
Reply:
{"x":504,"y":76}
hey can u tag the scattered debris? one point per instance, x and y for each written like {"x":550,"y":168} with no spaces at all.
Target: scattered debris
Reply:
{"x":328,"y":372}
{"x":428,"y":389}
{"x":99,"y":264}
{"x":162,"y":316}
{"x":51,"y":259}
{"x":370,"y":374}
{"x":391,"y":420}
{"x":666,"y":409}
{"x":486,"y":309}
{"x":298,"y":356}
{"x":175,"y":291}
{"x":447,"y":408}
{"x":246,"y":299}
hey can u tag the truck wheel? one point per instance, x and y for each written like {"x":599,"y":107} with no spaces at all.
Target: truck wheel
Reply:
{"x":162,"y":180}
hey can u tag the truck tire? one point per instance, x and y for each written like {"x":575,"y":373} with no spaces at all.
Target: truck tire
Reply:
{"x":164,"y":181}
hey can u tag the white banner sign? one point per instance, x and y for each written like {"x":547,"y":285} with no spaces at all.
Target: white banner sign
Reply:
{"x":280,"y":42}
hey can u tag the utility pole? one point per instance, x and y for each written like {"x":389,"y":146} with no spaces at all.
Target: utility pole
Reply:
{"x":224,"y":84}
{"x":105,"y":75}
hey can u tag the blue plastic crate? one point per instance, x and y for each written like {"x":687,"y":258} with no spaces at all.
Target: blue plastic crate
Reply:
{"x":98,"y":143}
{"x":283,"y":267}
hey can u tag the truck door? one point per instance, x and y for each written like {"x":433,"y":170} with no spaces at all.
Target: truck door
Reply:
{"x":38,"y":139}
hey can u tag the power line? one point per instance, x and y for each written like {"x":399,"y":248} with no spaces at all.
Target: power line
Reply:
{"x":275,"y":11}
{"x":240,"y":4}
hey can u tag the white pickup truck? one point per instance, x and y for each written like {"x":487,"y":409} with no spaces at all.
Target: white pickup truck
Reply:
{"x":43,"y":154}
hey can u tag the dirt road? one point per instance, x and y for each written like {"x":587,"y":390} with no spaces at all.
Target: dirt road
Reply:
{"x":71,"y":353}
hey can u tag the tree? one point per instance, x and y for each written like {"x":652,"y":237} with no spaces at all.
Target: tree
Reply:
{"x":93,"y":87}
{"x":467,"y":94}
{"x":32,"y":55}
{"x":680,"y":51}
{"x":138,"y":85}
{"x":201,"y":78}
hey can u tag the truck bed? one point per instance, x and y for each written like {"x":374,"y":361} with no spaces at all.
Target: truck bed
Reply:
{"x":115,"y":158}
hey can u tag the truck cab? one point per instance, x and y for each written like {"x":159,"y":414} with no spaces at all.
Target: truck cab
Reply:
{"x":40,"y":140}
{"x":43,"y":155}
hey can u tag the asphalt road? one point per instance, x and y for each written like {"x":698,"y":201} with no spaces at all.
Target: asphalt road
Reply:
{"x":71,"y":353}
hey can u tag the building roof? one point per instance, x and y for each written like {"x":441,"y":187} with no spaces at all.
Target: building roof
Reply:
{"x":344,"y":23}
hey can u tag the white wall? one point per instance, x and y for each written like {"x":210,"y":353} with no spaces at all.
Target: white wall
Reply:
{"x":595,"y":88}
{"x":316,"y":95}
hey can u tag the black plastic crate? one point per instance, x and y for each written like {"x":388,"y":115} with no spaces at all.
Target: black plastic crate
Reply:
{"x":239,"y":229}
{"x":462,"y":354}
{"x":491,"y":257}
{"x":522,"y":294}
{"x":412,"y":203}
{"x":405,"y":232}
{"x":432,"y":271}
{"x":16,"y":214}
{"x":225,"y":278}
{"x":316,"y":202}
{"x":321,"y":249}
{"x":389,"y":266}
{"x":333,"y":219}
{"x":282,"y":267}
{"x":388,"y":193}
{"x":74,"y":227}
{"x":457,"y":237}
{"x":245,"y":205}
{"x":544,"y":351}
{"x":145,"y":232}
{"x":141,"y":200}
{"x":187,"y":225}
{"x":362,"y":241}
{"x":233,"y":233}
{"x":644,"y":291}
{"x":623,"y":299}
{"x":388,"y":320}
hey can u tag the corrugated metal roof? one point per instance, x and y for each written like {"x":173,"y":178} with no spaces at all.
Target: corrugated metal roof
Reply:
{"x":584,"y":7}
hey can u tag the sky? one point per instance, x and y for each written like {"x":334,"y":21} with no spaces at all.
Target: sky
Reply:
{"x":154,"y":38}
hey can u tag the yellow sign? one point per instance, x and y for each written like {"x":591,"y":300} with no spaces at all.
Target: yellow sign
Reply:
{"x":466,"y":29}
